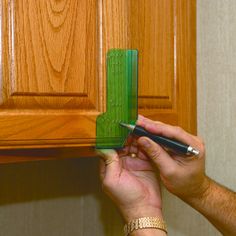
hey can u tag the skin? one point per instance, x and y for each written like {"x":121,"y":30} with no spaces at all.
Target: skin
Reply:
{"x":133,"y":185}
{"x":183,"y":176}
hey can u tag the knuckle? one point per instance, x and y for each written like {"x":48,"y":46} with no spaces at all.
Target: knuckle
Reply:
{"x":170,"y":172}
{"x":154,"y":153}
{"x":201,"y":144}
{"x":157,"y":123}
{"x":200,"y":140}
{"x":106,"y":184}
{"x":202,"y":148}
{"x":178,"y":129}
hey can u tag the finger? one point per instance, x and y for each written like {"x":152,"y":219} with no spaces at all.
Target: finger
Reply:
{"x":124,"y":151}
{"x":133,"y":149}
{"x":136,"y":164}
{"x":136,"y":152}
{"x":178,"y":134}
{"x":142,"y":119}
{"x":112,"y":164}
{"x":172,"y":132}
{"x":130,"y":147}
{"x":142,"y":155}
{"x":157,"y":154}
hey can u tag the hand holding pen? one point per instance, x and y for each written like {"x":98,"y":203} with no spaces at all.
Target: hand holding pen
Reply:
{"x":175,"y":146}
{"x":129,"y":175}
{"x":129,"y":178}
{"x":182,"y":176}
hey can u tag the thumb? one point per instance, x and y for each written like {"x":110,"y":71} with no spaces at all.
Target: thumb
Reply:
{"x":157,"y":154}
{"x":112,"y":164}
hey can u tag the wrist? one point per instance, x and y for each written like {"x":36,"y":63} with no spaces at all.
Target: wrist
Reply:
{"x":202,"y":193}
{"x":135,"y":213}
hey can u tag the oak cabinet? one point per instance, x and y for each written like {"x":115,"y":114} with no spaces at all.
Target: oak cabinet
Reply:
{"x":53,"y":80}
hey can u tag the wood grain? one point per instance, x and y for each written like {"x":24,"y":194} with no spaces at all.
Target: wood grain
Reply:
{"x":152,"y":33}
{"x":53,"y":69}
{"x":164,"y":32}
{"x":50,"y":49}
{"x":186,"y":65}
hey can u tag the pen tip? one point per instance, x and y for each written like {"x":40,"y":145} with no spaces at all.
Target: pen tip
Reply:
{"x":128,"y":126}
{"x":123,"y":124}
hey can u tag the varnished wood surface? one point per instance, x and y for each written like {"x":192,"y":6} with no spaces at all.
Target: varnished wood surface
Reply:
{"x":165,"y":34}
{"x":54,"y":71}
{"x":152,"y":32}
{"x":35,"y":154}
{"x":186,"y":65}
{"x":45,"y":47}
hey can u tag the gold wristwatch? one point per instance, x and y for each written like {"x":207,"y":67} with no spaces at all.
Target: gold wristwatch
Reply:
{"x":145,"y":222}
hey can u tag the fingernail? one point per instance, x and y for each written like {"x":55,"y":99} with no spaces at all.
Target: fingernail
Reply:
{"x":149,"y":125}
{"x":144,"y":142}
{"x":102,"y":153}
{"x":140,"y":117}
{"x":106,"y":153}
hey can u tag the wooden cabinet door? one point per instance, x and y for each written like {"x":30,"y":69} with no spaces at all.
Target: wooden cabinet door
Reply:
{"x":53,"y":61}
{"x":53,"y":80}
{"x":164,"y":31}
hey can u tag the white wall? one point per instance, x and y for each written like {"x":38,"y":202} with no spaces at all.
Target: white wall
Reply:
{"x":217,"y":86}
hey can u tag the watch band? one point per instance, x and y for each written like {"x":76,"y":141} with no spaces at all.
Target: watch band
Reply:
{"x":145,"y":222}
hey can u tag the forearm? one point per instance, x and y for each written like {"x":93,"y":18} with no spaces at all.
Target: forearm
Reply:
{"x":218,"y":205}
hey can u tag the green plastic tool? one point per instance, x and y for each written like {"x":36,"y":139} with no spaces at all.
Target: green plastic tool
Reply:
{"x":122,"y":92}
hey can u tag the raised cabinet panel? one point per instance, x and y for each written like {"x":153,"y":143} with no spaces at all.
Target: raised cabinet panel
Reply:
{"x":164,"y":32}
{"x":152,"y":32}
{"x":46,"y":45}
{"x":53,"y":67}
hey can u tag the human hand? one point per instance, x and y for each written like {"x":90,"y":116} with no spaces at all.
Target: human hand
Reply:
{"x":182,"y":176}
{"x":131,"y":182}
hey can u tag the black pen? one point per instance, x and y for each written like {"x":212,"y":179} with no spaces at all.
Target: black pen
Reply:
{"x":166,"y":142}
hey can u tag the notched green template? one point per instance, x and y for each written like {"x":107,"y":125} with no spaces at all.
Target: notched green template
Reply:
{"x":122,"y":92}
